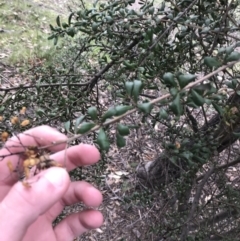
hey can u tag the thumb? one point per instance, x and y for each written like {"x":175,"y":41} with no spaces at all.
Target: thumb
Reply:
{"x":23,"y":205}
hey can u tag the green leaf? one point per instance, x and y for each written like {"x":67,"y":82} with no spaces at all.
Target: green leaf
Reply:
{"x":230,"y":85}
{"x":203,"y":89}
{"x":129,"y":87}
{"x":121,"y":142}
{"x":123,"y":130}
{"x":187,"y":154}
{"x":234,"y":56}
{"x":70,"y":18}
{"x":92,"y":111}
{"x":173,"y":91}
{"x":122,"y":109}
{"x":95,"y":26}
{"x":129,"y":65}
{"x":65,"y":25}
{"x":71,"y":32}
{"x":185,"y":79}
{"x":211,"y":62}
{"x":58,"y":21}
{"x":229,"y":49}
{"x":197,"y":99}
{"x":67,"y":125}
{"x":137,"y":88}
{"x":55,"y":40}
{"x":176,"y":106}
{"x":163,"y":114}
{"x":51,"y":27}
{"x":190,"y":103}
{"x":77,"y":122}
{"x":109,"y":113}
{"x":217,"y":108}
{"x":102,"y":140}
{"x":109,"y":20}
{"x":85,"y":127}
{"x":151,"y":10}
{"x":145,"y":107}
{"x":51,"y":37}
{"x":40,"y":112}
{"x":169,"y":80}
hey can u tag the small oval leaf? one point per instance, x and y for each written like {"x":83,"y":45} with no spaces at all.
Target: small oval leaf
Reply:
{"x":123,"y":130}
{"x":92,"y":111}
{"x":67,"y":126}
{"x":129,"y":87}
{"x":197,"y":98}
{"x":85,"y":127}
{"x":211,"y":62}
{"x":137,"y":88}
{"x":109,"y":113}
{"x":169,"y":80}
{"x":176,"y":106}
{"x":122,"y":109}
{"x":145,"y":107}
{"x":163,"y":114}
{"x":185,"y":79}
{"x":234,"y":56}
{"x":77,"y":122}
{"x":102,"y":140}
{"x":121,"y":142}
{"x":58,"y":21}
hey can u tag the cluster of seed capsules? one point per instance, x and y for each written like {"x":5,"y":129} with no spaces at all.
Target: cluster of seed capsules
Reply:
{"x":32,"y":159}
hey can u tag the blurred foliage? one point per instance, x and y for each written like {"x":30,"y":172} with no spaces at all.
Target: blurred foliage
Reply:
{"x":170,"y":62}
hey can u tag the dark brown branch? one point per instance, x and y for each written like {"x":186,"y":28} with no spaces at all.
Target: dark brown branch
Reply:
{"x":43,"y":86}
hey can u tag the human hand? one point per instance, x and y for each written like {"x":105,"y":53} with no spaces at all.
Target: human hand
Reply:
{"x":27,"y":214}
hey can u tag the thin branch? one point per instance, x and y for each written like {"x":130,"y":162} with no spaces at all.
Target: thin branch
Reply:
{"x":117,"y":119}
{"x":94,"y":80}
{"x":44,"y":86}
{"x":226,"y":165}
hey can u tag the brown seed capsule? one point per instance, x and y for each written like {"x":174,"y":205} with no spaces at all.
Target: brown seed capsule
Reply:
{"x":177,"y":144}
{"x":25,"y":122}
{"x":14,"y":120}
{"x":23,"y":110}
{"x":4,"y":136}
{"x":10,"y":166}
{"x":1,"y":118}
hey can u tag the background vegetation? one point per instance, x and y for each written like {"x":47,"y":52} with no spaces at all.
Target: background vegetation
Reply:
{"x":161,"y":81}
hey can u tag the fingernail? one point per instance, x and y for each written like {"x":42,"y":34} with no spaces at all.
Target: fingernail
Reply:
{"x":56,"y":175}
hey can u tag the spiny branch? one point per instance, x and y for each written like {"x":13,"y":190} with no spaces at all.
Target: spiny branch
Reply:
{"x":134,"y":109}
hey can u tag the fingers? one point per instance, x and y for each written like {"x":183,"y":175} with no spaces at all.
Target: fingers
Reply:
{"x":80,"y":155}
{"x":39,"y":136}
{"x":76,"y":224}
{"x":22,"y":205}
{"x":84,"y":192}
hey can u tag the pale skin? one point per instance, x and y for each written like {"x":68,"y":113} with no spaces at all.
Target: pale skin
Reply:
{"x":26,"y":214}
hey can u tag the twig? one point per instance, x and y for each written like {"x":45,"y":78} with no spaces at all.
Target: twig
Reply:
{"x":229,"y":164}
{"x":44,"y":86}
{"x":117,"y":119}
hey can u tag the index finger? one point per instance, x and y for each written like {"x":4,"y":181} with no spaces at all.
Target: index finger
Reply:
{"x":40,"y":136}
